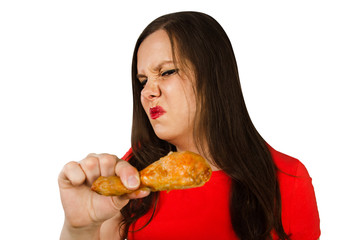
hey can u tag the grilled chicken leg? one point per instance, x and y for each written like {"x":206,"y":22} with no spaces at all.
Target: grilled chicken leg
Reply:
{"x":177,"y":170}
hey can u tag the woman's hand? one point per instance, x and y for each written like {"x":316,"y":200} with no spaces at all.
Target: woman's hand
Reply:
{"x":84,"y":209}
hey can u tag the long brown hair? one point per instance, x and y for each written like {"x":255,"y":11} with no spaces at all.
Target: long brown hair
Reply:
{"x":223,"y":122}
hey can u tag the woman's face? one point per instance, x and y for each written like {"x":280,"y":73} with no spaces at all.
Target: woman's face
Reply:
{"x":168,"y":96}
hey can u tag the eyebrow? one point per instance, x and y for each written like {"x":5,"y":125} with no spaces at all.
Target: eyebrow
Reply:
{"x":159,"y":66}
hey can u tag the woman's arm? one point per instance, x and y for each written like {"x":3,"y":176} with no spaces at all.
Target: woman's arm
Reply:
{"x":110,"y":229}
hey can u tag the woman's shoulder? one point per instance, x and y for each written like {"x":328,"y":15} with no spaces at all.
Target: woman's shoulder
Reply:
{"x":287,"y":164}
{"x":300,"y":215}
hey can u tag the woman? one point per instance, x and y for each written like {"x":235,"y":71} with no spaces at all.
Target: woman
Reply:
{"x":187,"y":96}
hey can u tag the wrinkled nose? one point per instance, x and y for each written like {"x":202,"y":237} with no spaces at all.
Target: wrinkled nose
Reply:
{"x":151,"y":90}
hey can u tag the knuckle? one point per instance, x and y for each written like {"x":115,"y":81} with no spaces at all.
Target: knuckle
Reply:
{"x":90,"y":162}
{"x":71,"y":173}
{"x":70,"y":166}
{"x":125,"y":168}
{"x":108,"y":159}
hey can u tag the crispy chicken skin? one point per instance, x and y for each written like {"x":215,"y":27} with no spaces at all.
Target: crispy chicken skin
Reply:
{"x":177,"y":170}
{"x":109,"y":186}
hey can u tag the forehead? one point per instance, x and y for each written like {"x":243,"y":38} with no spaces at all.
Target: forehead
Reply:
{"x":156,"y":48}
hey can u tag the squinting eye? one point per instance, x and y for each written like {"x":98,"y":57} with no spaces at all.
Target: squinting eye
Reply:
{"x":143,"y":82}
{"x":169,"y":72}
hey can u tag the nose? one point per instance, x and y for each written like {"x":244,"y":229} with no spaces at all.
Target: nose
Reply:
{"x":151,"y":90}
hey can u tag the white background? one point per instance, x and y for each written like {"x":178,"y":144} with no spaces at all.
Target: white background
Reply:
{"x":65,"y":92}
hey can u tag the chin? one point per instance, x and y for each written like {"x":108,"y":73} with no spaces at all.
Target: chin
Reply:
{"x":164,"y":136}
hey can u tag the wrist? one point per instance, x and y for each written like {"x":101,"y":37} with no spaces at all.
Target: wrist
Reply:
{"x":79,"y":233}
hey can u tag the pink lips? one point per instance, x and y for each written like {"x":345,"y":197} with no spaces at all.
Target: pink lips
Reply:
{"x":156,"y":112}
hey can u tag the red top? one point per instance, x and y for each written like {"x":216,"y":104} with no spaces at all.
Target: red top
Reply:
{"x":203,"y":213}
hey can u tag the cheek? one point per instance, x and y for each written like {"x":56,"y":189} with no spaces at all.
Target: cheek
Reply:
{"x":143,"y":102}
{"x":190,"y":100}
{"x":185,"y":106}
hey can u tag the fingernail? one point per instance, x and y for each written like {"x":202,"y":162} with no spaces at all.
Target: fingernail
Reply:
{"x":133,"y":181}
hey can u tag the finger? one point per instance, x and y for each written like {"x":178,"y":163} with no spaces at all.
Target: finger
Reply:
{"x":140,"y":193}
{"x":90,"y":166}
{"x":120,"y":201}
{"x":107,"y":164}
{"x":71,"y":175}
{"x":128,"y":174}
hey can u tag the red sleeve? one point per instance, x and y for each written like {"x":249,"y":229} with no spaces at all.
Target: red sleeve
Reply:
{"x":304,"y":219}
{"x":300,"y":214}
{"x":128,"y":155}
